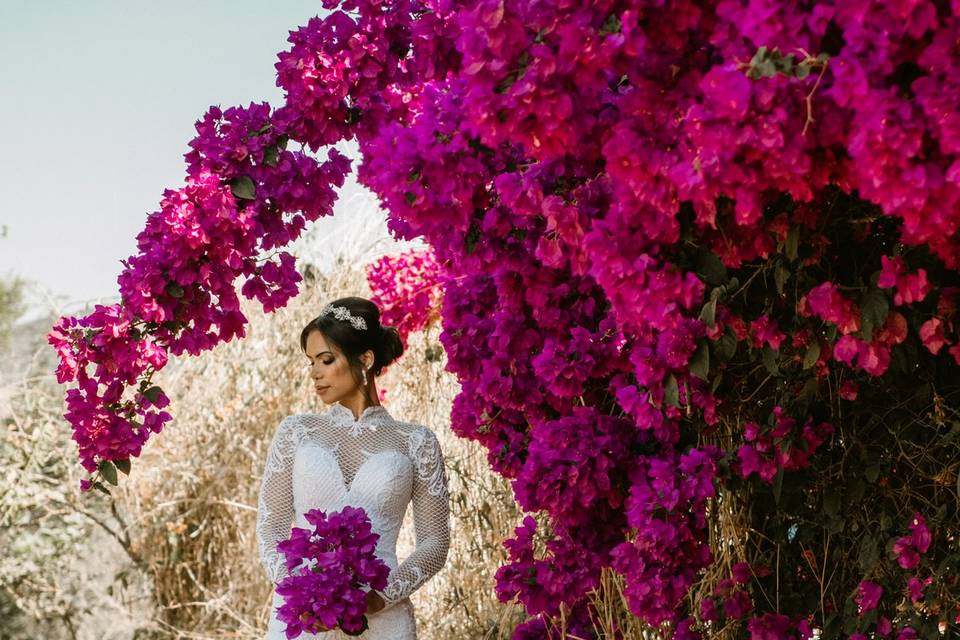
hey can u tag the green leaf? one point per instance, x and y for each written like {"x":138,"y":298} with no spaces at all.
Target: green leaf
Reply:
{"x":947,"y":562}
{"x":671,"y":392}
{"x":711,"y":270}
{"x":716,"y":382}
{"x":803,"y":70}
{"x":812,"y":355}
{"x":785,"y":65}
{"x":778,"y":485}
{"x":700,"y":361}
{"x":611,"y":25}
{"x":99,"y":487}
{"x":770,"y":360}
{"x":869,"y":554}
{"x":726,"y":347}
{"x":873,"y":312}
{"x":271,"y":156}
{"x":709,"y":313}
{"x":759,"y":58}
{"x":831,"y":333}
{"x":855,"y":490}
{"x":831,"y":504}
{"x":473,"y":236}
{"x":153,"y":393}
{"x":885,"y":521}
{"x":108,"y":471}
{"x":954,"y":431}
{"x":791,"y":246}
{"x":780,"y":276}
{"x":243,"y":188}
{"x":836,"y":525}
{"x":410,"y":197}
{"x":810,"y":389}
{"x":871,"y":473}
{"x":175,"y":290}
{"x":766,"y":69}
{"x":123,"y":466}
{"x":833,"y":625}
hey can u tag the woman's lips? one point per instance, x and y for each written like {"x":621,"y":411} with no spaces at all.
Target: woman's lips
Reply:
{"x":321,"y":387}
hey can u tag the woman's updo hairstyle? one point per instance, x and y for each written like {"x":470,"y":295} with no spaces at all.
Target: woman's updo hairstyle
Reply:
{"x":383,"y":341}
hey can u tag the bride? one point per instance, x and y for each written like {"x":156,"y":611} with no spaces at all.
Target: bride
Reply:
{"x":357,"y":454}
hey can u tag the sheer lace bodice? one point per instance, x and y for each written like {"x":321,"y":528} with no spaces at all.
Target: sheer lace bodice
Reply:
{"x":329,"y":460}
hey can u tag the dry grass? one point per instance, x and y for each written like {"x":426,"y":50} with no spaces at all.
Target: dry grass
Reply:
{"x":64,"y":573}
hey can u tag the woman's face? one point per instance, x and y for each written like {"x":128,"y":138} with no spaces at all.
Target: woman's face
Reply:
{"x":329,"y":369}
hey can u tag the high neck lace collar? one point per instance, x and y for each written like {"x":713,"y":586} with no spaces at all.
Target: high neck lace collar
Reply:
{"x":370,"y":418}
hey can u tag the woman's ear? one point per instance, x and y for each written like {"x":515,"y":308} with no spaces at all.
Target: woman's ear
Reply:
{"x":367,"y":358}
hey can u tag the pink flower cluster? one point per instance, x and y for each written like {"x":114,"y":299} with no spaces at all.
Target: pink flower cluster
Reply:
{"x":245,"y":195}
{"x":330,"y":566}
{"x":943,"y":329}
{"x":909,"y":548}
{"x":868,"y":596}
{"x":666,"y":508}
{"x":542,"y":585}
{"x":827,"y":303}
{"x":910,"y":287}
{"x":783,"y":446}
{"x":408,"y":290}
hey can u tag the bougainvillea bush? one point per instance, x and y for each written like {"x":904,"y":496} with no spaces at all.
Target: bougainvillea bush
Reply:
{"x":699,"y":264}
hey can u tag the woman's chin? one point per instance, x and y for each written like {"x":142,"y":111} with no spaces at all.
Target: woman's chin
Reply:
{"x":328,"y":398}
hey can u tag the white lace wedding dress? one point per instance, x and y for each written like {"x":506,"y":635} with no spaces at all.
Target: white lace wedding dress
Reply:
{"x":329,"y":460}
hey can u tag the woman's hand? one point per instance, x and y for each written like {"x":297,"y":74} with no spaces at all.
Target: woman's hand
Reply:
{"x":318,"y":627}
{"x":374,"y":602}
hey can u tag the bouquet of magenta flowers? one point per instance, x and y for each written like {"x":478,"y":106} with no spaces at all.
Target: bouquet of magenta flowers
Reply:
{"x":329,"y":567}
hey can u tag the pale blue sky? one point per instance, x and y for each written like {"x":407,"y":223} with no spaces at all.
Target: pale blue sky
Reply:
{"x":98,"y":103}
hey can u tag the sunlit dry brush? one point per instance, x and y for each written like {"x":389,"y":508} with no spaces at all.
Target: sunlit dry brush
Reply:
{"x":65,"y":568}
{"x":193,"y":492}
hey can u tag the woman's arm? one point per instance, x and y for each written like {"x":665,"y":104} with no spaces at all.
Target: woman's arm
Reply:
{"x":275,"y":506}
{"x":431,"y":512}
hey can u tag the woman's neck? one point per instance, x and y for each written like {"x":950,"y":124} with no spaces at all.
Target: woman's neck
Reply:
{"x":358,"y":402}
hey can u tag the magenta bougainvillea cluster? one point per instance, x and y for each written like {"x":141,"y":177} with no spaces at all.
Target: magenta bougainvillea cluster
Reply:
{"x":245,"y":196}
{"x":407,"y":289}
{"x":331,"y":565}
{"x":692,"y":254}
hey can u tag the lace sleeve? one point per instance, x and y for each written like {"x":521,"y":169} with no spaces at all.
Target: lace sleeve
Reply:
{"x":431,"y":512}
{"x":275,"y":506}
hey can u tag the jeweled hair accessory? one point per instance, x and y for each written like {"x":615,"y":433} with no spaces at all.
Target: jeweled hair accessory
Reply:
{"x":342,"y":313}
